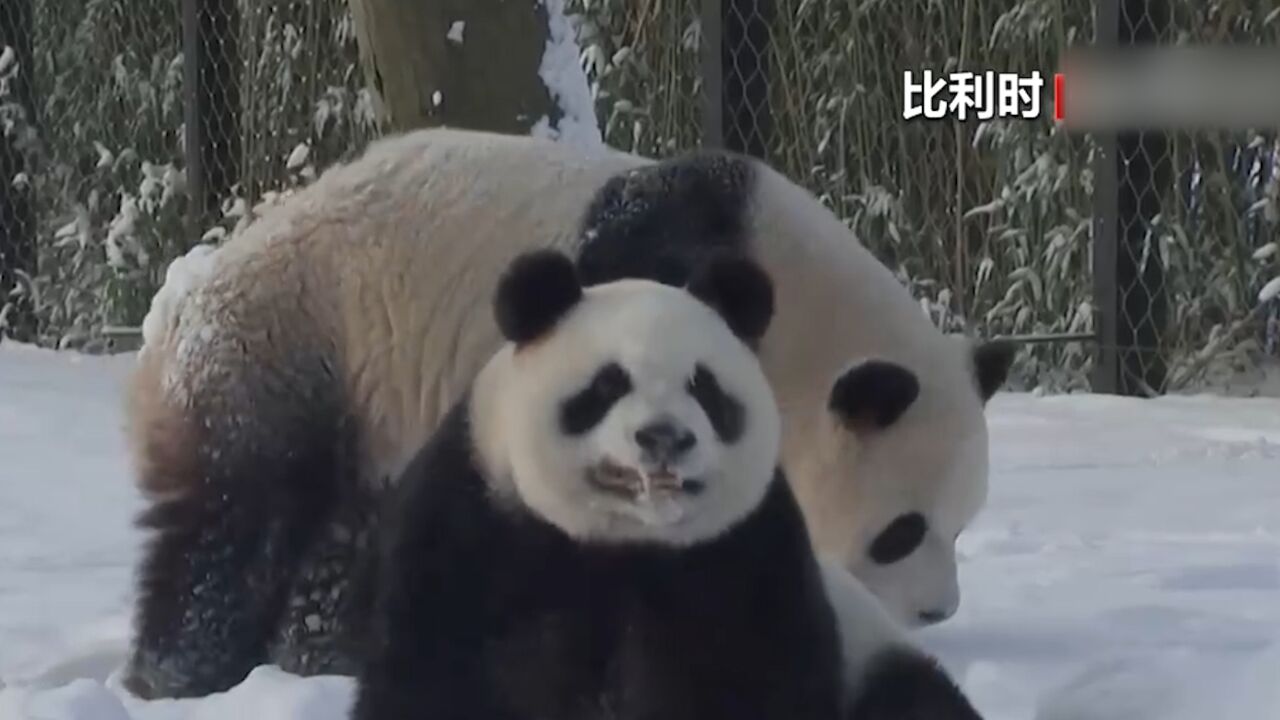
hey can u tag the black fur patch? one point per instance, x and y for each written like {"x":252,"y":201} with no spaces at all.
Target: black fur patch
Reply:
{"x":215,"y":576}
{"x":486,"y":611}
{"x":899,"y":539}
{"x":874,"y":392}
{"x":661,"y":221}
{"x":325,"y":620}
{"x":991,"y":363}
{"x":740,"y":290}
{"x":723,"y":410}
{"x":903,"y":684}
{"x":589,"y":405}
{"x":536,"y":290}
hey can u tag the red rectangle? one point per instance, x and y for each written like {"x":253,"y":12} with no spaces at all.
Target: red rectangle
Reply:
{"x":1058,"y":99}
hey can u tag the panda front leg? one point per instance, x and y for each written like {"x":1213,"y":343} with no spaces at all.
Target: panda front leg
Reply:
{"x":239,"y":511}
{"x":887,"y":677}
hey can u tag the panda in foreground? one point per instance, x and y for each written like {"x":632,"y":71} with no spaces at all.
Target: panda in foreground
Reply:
{"x":288,"y":376}
{"x":599,"y":529}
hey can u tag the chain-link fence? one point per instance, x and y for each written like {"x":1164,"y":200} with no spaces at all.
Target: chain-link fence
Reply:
{"x":1193,"y":222}
{"x":114,"y":121}
{"x":134,"y":128}
{"x":992,"y":223}
{"x":276,"y":96}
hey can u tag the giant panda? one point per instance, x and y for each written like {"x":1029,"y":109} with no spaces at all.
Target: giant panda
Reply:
{"x":287,"y":377}
{"x":599,"y":527}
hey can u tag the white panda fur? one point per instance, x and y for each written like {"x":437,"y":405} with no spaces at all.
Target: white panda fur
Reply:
{"x":351,"y":316}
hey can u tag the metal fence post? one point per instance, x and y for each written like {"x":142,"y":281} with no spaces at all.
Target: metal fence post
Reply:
{"x":212,"y":102}
{"x":711,"y":71}
{"x":1132,"y":177}
{"x":1106,"y":209}
{"x":17,"y":206}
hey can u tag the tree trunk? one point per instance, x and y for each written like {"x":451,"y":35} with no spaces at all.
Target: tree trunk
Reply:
{"x":462,"y":63}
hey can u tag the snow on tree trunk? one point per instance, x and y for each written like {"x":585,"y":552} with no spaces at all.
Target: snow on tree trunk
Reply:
{"x":574,"y":118}
{"x":496,"y":65}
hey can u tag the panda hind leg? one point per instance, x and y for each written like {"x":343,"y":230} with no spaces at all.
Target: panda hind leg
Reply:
{"x":330,"y":602}
{"x":225,"y":545}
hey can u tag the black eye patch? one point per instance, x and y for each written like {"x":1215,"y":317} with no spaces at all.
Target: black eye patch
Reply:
{"x":899,"y":539}
{"x":589,"y":405}
{"x":723,"y":410}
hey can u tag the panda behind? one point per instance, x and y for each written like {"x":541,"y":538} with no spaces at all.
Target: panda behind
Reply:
{"x":600,"y":528}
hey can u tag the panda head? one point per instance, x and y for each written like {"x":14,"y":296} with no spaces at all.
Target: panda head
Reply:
{"x":919,"y":442}
{"x":630,"y":411}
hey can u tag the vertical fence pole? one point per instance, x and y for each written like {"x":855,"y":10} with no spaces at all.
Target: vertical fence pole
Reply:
{"x":1106,"y":223}
{"x":1132,"y":178}
{"x":17,"y":207}
{"x":746,"y":120}
{"x":712,"y":72}
{"x":212,"y":104}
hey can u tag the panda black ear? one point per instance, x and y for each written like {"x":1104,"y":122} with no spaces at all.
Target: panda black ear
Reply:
{"x":740,"y":290}
{"x":991,"y":363}
{"x":536,"y":290}
{"x":873,"y":394}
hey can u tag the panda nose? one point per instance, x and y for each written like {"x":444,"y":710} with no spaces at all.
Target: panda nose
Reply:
{"x":933,"y":617}
{"x":664,"y":441}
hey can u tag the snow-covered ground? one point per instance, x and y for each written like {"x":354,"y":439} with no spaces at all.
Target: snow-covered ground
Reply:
{"x":1127,"y":565}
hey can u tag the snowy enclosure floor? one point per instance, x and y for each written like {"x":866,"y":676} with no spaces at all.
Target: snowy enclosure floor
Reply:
{"x":1127,"y":565}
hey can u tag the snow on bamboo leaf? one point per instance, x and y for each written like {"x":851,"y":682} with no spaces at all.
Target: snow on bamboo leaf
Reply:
{"x":455,"y":32}
{"x":298,"y":157}
{"x":1270,"y":291}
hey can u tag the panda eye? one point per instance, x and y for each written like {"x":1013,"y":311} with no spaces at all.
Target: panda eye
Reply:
{"x":611,"y":382}
{"x":723,"y":410}
{"x":589,"y":405}
{"x":899,"y":539}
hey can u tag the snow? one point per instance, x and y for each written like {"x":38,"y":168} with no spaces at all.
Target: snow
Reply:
{"x":1130,"y":552}
{"x":121,"y":230}
{"x":1270,"y":291}
{"x":183,"y":274}
{"x":1127,"y":565}
{"x":298,"y":156}
{"x":565,"y":79}
{"x":456,"y":30}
